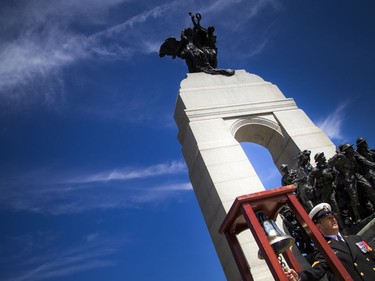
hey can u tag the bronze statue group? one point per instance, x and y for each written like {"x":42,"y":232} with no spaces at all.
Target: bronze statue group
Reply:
{"x":346,"y":182}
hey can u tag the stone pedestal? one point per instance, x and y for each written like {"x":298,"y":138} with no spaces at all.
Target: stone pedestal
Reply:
{"x":214,"y":113}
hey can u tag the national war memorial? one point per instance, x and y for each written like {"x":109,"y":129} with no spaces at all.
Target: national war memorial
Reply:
{"x":216,"y":110}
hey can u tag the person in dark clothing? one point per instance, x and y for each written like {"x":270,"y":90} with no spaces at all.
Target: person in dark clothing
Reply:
{"x":355,"y":254}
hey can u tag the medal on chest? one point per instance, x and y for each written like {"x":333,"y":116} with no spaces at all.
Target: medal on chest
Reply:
{"x":364,"y":247}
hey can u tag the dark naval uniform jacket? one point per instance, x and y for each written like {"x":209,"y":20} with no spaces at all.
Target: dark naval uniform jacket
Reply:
{"x":358,"y":260}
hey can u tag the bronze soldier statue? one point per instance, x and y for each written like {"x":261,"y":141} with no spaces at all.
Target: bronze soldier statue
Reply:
{"x":305,"y":193}
{"x":304,"y":161}
{"x":289,"y":175}
{"x":347,"y":163}
{"x":366,"y":166}
{"x":322,"y":179}
{"x":363,"y":149}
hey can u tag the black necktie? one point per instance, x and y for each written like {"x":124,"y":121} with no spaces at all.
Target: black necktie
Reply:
{"x":340,"y":239}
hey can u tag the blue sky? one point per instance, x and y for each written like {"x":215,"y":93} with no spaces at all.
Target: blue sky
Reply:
{"x":93,"y":183}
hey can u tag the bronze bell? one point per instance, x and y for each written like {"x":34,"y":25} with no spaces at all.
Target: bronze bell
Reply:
{"x":279,"y":241}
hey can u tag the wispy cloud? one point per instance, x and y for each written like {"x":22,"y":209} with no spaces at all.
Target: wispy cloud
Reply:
{"x":44,"y":44}
{"x":248,"y":20}
{"x":48,"y":192}
{"x":252,"y":8}
{"x":52,"y":36}
{"x":257,"y":49}
{"x":159,"y":193}
{"x":121,"y":29}
{"x":332,"y":124}
{"x":45,"y":260}
{"x":133,"y":173}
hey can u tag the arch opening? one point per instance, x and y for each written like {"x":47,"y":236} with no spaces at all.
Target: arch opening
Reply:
{"x":262,"y":162}
{"x":263,"y":142}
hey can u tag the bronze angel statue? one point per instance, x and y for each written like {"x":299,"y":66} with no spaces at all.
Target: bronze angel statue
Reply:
{"x":197,"y":46}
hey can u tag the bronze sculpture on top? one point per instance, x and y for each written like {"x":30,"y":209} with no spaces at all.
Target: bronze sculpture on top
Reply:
{"x":197,"y":47}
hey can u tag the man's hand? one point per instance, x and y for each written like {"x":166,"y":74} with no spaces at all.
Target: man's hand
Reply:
{"x":292,"y":275}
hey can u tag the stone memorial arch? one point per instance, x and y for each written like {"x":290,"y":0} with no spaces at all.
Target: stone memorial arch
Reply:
{"x":214,"y":113}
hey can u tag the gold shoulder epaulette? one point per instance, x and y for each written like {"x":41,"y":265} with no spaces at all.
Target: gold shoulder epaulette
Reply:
{"x":315,"y":263}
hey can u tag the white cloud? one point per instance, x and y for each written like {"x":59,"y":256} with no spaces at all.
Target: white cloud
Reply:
{"x":44,"y":191}
{"x":64,"y":261}
{"x":56,"y":36}
{"x":57,"y":269}
{"x":258,"y":49}
{"x":332,"y":124}
{"x":154,"y":13}
{"x":45,"y":42}
{"x":92,"y":236}
{"x":123,"y":174}
{"x":160,"y":193}
{"x":218,"y":6}
{"x":40,"y":47}
{"x":234,"y":14}
{"x":24,"y":60}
